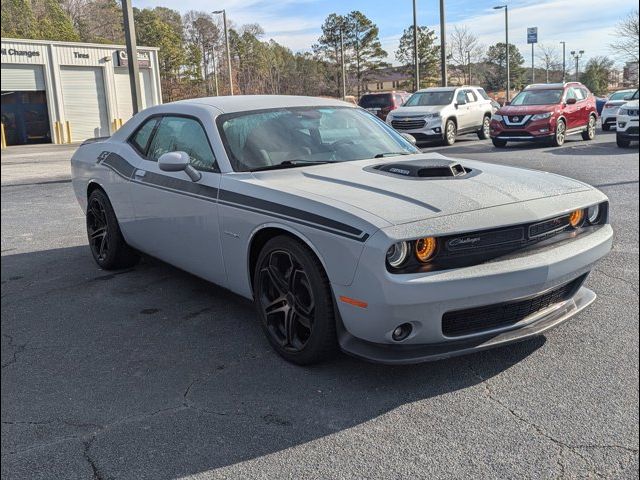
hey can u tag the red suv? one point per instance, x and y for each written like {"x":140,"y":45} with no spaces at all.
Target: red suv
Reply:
{"x":380,"y":104}
{"x":546,"y":112}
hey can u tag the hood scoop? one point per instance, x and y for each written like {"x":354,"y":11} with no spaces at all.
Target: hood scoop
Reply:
{"x":424,"y":168}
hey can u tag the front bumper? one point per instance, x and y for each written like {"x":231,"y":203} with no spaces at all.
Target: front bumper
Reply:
{"x":532,"y":131}
{"x":432,"y":129}
{"x":423,"y":299}
{"x":627,"y":128}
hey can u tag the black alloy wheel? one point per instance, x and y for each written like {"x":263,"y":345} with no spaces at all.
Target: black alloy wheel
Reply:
{"x":97,"y":229}
{"x":294,"y":300}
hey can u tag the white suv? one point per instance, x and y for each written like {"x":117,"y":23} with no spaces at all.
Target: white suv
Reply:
{"x":443,"y":113}
{"x":627,"y":122}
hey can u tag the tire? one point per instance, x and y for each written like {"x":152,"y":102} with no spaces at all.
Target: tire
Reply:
{"x":590,"y":132}
{"x":449,"y":134}
{"x":606,"y":128}
{"x":498,"y":143}
{"x":293,"y":298}
{"x":560,"y":134}
{"x":622,"y":143}
{"x":485,"y":130}
{"x":107,"y":245}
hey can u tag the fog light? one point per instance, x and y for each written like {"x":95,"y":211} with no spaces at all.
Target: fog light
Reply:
{"x":576,"y":218}
{"x":425,"y":249}
{"x":437,"y":130}
{"x":621,"y":124}
{"x":544,"y":130}
{"x":401,"y":332}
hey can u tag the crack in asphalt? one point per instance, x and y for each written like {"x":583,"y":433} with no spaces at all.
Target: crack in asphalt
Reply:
{"x":87,"y":455}
{"x":541,"y":432}
{"x":19,"y":348}
{"x":633,"y":286}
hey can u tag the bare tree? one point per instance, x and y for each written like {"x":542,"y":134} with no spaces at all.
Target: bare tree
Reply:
{"x":627,"y":35}
{"x":464,"y":50}
{"x":550,"y":58}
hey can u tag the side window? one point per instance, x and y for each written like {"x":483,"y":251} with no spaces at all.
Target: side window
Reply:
{"x":461,"y":97}
{"x":471,"y":97}
{"x":399,"y":100}
{"x":570,"y":94}
{"x":579,"y":94}
{"x":483,"y":94}
{"x":585,"y":92}
{"x":140,"y":139}
{"x":183,"y":134}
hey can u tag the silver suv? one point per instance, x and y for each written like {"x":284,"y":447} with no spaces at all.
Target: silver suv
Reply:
{"x":443,"y":113}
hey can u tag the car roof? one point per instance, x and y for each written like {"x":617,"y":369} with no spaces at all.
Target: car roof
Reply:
{"x":544,"y":86}
{"x":446,"y":89}
{"x":244,"y":103}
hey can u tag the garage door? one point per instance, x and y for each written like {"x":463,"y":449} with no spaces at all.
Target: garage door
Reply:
{"x":25,"y":78}
{"x":85,"y":106}
{"x":123,"y":92}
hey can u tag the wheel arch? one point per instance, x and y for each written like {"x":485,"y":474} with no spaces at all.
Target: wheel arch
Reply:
{"x":263,"y":233}
{"x":94,"y":185}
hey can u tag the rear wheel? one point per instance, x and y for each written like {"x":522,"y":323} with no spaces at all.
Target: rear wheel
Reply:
{"x":294,"y":301}
{"x":622,"y":143}
{"x":590,"y":132}
{"x":499,"y":143}
{"x":450,"y":132}
{"x":560,"y":135}
{"x":108,"y":247}
{"x":483,"y":133}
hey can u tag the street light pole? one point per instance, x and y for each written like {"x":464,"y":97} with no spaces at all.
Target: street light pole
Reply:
{"x":132,"y":55}
{"x":226,"y":42}
{"x":443,"y":47}
{"x":564,"y":61}
{"x":576,"y":56}
{"x":342,"y":67}
{"x":416,"y":57}
{"x":469,"y":65}
{"x":506,"y":34}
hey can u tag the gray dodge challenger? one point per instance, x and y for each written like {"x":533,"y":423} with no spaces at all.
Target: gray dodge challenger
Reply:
{"x":343,"y":234}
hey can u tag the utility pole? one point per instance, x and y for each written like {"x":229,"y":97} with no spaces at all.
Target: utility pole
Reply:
{"x":344,"y":81}
{"x":506,"y":34}
{"x":533,"y":66}
{"x":132,"y":55}
{"x":469,"y":66}
{"x":443,"y":47}
{"x":416,"y":57}
{"x":564,"y":61}
{"x":215,"y":72}
{"x":226,"y":42}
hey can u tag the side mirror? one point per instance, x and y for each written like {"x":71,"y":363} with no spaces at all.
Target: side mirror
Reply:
{"x":571,"y":101}
{"x":409,"y":138}
{"x":177,"y":162}
{"x":507,"y":103}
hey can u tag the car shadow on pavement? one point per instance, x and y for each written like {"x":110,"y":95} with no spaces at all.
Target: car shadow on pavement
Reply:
{"x":153,"y":373}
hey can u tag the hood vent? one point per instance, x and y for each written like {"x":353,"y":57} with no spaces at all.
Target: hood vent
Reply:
{"x":435,"y":168}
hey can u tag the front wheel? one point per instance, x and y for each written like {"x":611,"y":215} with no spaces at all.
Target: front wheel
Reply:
{"x":560,"y":135}
{"x":294,"y":302}
{"x":483,"y":133}
{"x":450,"y":132}
{"x":621,"y":142}
{"x":499,"y":143}
{"x":590,"y":132}
{"x":108,"y":247}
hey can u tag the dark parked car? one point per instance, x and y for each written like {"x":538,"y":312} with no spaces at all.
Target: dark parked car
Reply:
{"x":548,"y":113}
{"x":380,"y":104}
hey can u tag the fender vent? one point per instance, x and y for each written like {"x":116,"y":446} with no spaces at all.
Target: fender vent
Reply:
{"x":424,"y":169}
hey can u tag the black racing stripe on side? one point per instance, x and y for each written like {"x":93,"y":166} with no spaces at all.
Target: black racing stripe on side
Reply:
{"x":359,"y":238}
{"x":119,"y":165}
{"x":186,"y":186}
{"x":233,"y":197}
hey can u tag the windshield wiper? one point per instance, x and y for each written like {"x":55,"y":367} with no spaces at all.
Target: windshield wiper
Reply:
{"x":291,"y":164}
{"x":390,"y":154}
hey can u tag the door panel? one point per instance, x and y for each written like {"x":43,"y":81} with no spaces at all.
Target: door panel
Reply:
{"x":572,"y":112}
{"x":462,"y":111}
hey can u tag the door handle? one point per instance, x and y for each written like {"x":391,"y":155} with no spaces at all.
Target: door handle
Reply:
{"x":140,"y":173}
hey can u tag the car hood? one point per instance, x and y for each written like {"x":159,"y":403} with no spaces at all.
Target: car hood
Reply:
{"x":631,"y":104}
{"x":526,"y":109}
{"x":397,"y":200}
{"x":615,"y":103}
{"x":418,"y":110}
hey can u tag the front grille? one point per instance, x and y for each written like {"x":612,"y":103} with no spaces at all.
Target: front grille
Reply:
{"x":632,"y":131}
{"x":517,"y":133}
{"x":480,"y":319}
{"x":408,"y":124}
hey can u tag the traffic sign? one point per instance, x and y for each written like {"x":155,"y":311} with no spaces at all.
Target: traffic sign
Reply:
{"x":532,"y":35}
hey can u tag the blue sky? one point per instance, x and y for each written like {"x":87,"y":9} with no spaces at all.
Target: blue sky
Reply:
{"x":583,"y":24}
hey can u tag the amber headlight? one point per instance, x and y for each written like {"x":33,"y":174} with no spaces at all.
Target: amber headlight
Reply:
{"x":397,"y":254}
{"x":426,"y":249}
{"x":576,"y":218}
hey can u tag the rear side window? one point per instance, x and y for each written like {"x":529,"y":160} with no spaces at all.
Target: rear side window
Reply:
{"x":471,"y":97}
{"x":579,"y":94}
{"x":183,"y":134}
{"x":376,"y":101}
{"x":399,"y":100}
{"x":140,"y":139}
{"x":483,"y":94}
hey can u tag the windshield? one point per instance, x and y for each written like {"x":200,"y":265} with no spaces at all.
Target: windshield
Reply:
{"x":376,"y":101}
{"x":635,"y":95}
{"x":280,"y":138}
{"x":620,"y":95}
{"x":424,"y":99}
{"x":538,"y":97}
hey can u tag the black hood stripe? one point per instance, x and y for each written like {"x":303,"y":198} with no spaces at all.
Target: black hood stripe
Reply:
{"x":122,"y":167}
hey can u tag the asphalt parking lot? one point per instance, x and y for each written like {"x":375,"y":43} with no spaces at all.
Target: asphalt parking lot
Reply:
{"x":153,"y":373}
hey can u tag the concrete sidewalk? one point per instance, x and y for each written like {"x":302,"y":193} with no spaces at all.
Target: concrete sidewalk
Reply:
{"x":36,"y":164}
